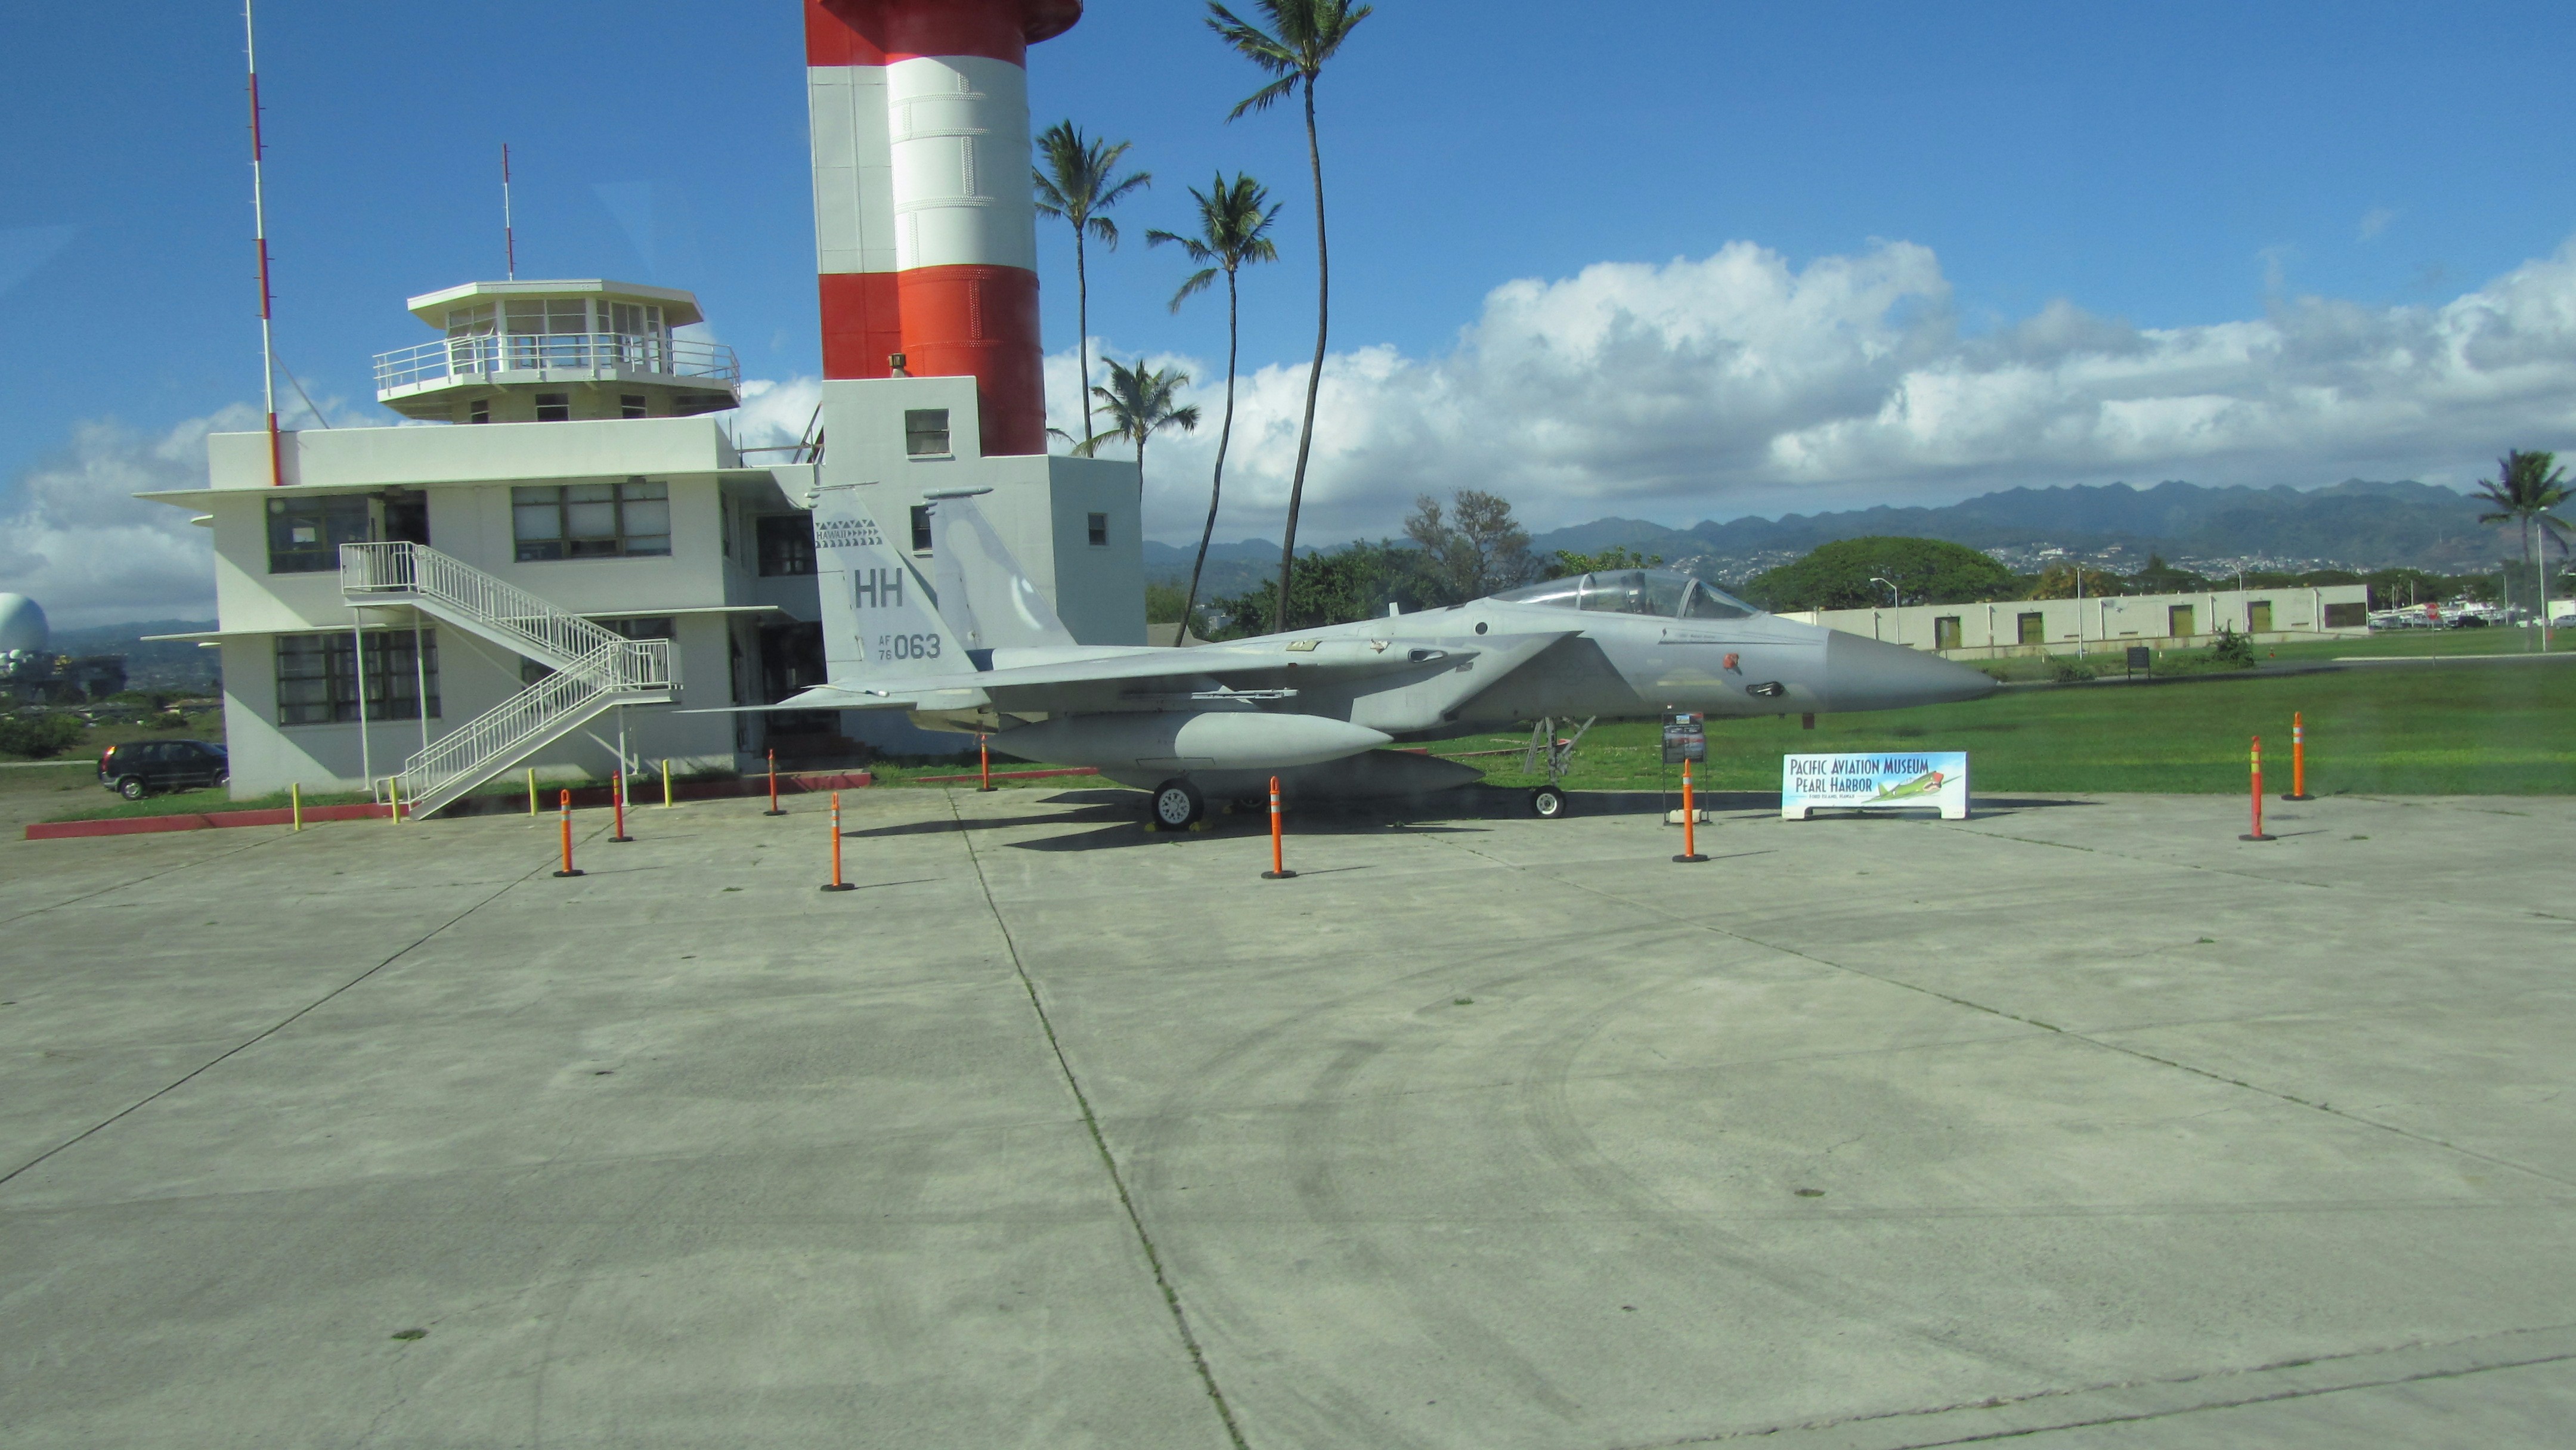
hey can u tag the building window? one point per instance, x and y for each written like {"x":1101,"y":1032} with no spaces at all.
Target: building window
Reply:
{"x":921,"y":528}
{"x":592,"y":521}
{"x":2347,"y":616}
{"x":2034,"y":628}
{"x":479,"y":411}
{"x":305,"y":534}
{"x":317,"y":679}
{"x":630,"y":405}
{"x":2178,"y":621}
{"x":1100,"y":531}
{"x":786,"y":544}
{"x":554,"y":407}
{"x":1945,"y":632}
{"x":925,"y":432}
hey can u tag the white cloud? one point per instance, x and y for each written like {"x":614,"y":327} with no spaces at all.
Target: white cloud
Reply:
{"x":2373,"y":222}
{"x":1736,"y":383}
{"x":75,"y":539}
{"x":774,"y":414}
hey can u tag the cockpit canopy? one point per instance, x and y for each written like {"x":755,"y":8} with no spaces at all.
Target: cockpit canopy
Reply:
{"x":1659,"y":592}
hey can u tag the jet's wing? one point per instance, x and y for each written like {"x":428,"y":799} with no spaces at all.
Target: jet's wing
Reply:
{"x":1267,"y":661}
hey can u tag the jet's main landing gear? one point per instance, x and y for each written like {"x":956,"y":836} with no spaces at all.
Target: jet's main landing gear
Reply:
{"x":1554,"y":754}
{"x":1177,"y":805}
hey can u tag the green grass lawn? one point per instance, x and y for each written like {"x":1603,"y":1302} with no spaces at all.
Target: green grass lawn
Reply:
{"x":2468,"y":729}
{"x":2429,"y":730}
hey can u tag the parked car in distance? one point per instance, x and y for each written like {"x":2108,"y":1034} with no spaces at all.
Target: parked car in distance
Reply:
{"x":138,"y":768}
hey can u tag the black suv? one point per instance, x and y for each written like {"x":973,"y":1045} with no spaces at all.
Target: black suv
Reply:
{"x":137,"y":769}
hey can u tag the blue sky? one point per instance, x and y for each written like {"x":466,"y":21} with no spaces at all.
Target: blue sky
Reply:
{"x":1922,"y":200}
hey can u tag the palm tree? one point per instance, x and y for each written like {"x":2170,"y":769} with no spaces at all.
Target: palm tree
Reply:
{"x":1139,"y":405}
{"x":1234,"y":226}
{"x":2526,"y":487}
{"x":1303,"y":34}
{"x":1076,"y":185}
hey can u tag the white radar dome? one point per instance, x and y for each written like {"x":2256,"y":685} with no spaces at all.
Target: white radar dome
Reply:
{"x":22,"y":625}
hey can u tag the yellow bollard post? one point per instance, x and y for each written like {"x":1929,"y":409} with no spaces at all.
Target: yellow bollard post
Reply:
{"x":666,"y":783}
{"x":295,"y":799}
{"x":532,"y":792}
{"x":393,"y":793}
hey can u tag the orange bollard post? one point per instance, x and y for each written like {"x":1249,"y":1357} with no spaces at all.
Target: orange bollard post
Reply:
{"x":2257,"y":833}
{"x":567,"y":837}
{"x":1690,"y":821}
{"x":617,"y":797}
{"x":1278,"y":863}
{"x":984,"y":749}
{"x":773,"y":787}
{"x":2298,"y":759}
{"x":837,"y":883}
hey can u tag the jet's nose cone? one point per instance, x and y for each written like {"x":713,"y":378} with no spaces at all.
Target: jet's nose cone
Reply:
{"x":1869,"y":674}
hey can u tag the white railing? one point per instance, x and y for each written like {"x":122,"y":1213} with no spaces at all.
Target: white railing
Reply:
{"x":591,"y":354}
{"x":467,"y":756}
{"x":398,"y":572}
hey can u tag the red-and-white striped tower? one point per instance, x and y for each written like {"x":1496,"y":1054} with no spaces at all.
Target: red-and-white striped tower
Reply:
{"x":925,"y":235}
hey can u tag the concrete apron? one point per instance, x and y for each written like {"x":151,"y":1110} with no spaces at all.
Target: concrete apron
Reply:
{"x":1493,"y":1132}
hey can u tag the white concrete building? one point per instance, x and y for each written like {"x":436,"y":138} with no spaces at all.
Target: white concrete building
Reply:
{"x":581,"y":468}
{"x":2071,"y":626}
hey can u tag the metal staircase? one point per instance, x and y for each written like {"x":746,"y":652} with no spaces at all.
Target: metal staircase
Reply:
{"x":595,"y":669}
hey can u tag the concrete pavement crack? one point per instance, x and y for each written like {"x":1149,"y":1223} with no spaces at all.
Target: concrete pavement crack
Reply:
{"x":272,"y":1029}
{"x":2009,"y":1016}
{"x":1100,"y":1142}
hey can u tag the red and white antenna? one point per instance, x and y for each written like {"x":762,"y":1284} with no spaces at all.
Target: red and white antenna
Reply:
{"x":259,"y":230}
{"x":509,"y":240}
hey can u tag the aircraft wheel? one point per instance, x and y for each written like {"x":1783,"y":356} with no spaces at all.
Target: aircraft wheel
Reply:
{"x":1547,"y":803}
{"x":1177,"y":803}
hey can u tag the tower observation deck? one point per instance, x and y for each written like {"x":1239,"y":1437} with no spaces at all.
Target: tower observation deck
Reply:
{"x":541,"y":352}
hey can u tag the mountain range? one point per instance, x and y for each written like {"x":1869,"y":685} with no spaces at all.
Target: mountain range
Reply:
{"x":2357,"y":523}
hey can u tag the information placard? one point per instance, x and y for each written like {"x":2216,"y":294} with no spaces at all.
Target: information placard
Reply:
{"x":1685,"y":736}
{"x":1897,"y":780}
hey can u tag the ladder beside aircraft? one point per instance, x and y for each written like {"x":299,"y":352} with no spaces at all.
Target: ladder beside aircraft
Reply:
{"x":595,"y":669}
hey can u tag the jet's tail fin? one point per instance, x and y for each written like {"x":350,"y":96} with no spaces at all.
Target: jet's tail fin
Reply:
{"x":879,"y":618}
{"x":984,"y":594}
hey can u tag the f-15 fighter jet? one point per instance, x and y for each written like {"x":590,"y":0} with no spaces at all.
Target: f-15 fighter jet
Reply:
{"x":976,"y":648}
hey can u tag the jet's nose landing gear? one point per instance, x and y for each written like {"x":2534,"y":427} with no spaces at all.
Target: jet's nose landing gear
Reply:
{"x":1177,"y":805}
{"x":1547,"y":802}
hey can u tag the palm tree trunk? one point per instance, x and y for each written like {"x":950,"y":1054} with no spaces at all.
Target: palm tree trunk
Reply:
{"x":1082,"y":326}
{"x":1314,"y":371}
{"x":1216,"y":484}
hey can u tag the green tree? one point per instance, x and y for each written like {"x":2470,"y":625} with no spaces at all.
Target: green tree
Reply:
{"x":1303,"y":35}
{"x":1471,"y":549}
{"x":1357,"y":581}
{"x":2527,"y":485}
{"x":2071,"y":581}
{"x":2159,"y":577}
{"x":1078,"y":183}
{"x":1838,"y":575}
{"x":1566,"y":563}
{"x":39,"y":736}
{"x":1234,"y":227}
{"x":1163,"y":604}
{"x":1140,"y":405}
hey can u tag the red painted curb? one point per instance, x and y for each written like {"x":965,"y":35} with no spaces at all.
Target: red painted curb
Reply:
{"x":194,"y":821}
{"x":809,"y":783}
{"x":1008,"y":774}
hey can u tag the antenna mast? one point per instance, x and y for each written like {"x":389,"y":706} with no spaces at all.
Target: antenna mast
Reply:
{"x":259,"y":231}
{"x":509,"y":239}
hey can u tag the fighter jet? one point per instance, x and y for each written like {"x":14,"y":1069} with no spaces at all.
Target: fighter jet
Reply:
{"x":977,"y":649}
